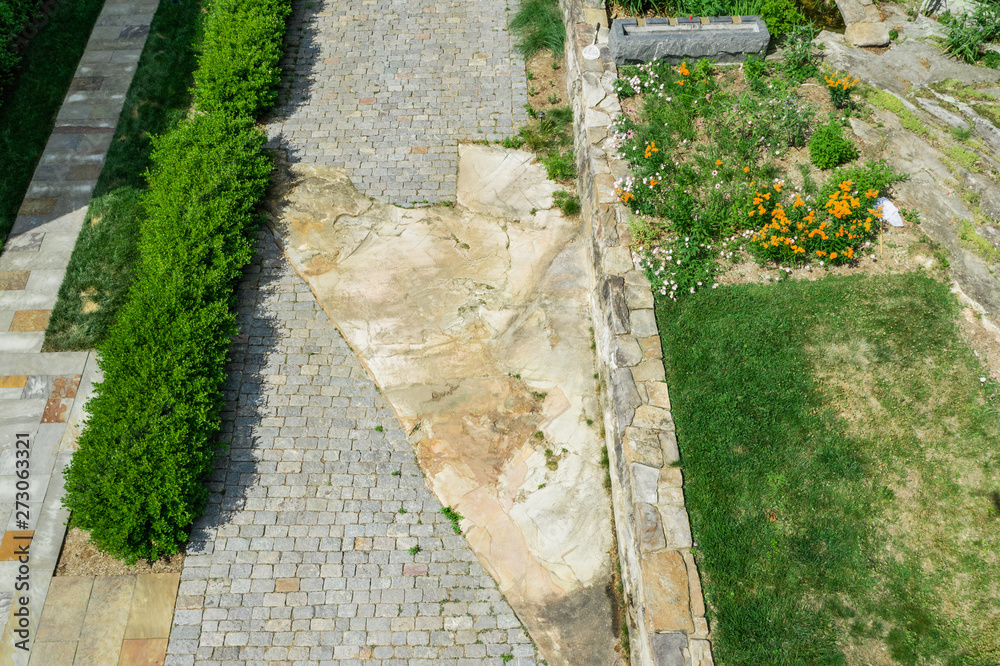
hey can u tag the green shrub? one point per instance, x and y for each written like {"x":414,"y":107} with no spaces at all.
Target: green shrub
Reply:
{"x":238,"y":60}
{"x":136,"y":481}
{"x":782,"y":17}
{"x":828,"y":148}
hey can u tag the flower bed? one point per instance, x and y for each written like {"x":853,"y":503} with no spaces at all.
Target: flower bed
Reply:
{"x":719,"y":173}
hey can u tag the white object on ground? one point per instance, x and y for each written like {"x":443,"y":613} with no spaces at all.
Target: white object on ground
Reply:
{"x":889,"y":212}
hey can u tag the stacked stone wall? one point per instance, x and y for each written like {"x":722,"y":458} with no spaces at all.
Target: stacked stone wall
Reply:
{"x":666,"y":610}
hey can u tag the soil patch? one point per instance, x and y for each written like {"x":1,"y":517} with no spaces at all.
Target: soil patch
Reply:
{"x":79,"y":557}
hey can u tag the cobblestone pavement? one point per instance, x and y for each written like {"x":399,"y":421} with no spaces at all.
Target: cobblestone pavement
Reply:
{"x":387,"y":89}
{"x":306,"y":552}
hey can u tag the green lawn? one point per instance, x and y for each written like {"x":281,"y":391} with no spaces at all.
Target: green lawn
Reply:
{"x":28,"y":108}
{"x":101,"y":268}
{"x":842,"y":471}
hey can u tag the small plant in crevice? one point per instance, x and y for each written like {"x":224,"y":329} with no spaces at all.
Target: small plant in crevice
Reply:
{"x":454,"y":516}
{"x":414,"y":550}
{"x":568,"y":203}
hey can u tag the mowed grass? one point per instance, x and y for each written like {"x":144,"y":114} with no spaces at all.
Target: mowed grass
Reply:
{"x":102,"y":266}
{"x":842,"y":471}
{"x":28,"y":107}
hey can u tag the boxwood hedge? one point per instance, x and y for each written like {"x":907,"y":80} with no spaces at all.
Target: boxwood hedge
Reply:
{"x":238,"y":61}
{"x":137,"y":480}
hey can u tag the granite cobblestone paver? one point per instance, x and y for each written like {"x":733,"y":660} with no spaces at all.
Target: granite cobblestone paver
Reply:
{"x":388,"y":88}
{"x":321,"y":543}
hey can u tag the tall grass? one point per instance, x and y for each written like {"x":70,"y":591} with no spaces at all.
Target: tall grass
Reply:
{"x":539,"y":25}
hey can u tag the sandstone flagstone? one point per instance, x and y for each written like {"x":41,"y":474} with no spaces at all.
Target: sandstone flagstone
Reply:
{"x":477,"y":331}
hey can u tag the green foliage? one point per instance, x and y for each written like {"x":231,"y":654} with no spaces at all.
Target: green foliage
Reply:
{"x":136,"y":480}
{"x":695,"y":186}
{"x":782,"y":17}
{"x":804,"y":408}
{"x":455,"y":517}
{"x":828,"y":148}
{"x":33,"y":94}
{"x":539,"y":25}
{"x":964,"y":39}
{"x":568,"y":203}
{"x":14,"y":15}
{"x":512,"y":141}
{"x":798,"y":63}
{"x":550,"y":136}
{"x":893,"y":34}
{"x":104,"y":259}
{"x":238,"y":59}
{"x":757,"y":73}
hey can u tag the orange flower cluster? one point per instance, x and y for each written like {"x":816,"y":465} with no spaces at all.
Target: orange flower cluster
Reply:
{"x":843,"y":82}
{"x":796,"y":233}
{"x":650,"y":149}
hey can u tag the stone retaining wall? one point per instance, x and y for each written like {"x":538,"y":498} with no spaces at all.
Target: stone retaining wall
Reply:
{"x":663,"y":595}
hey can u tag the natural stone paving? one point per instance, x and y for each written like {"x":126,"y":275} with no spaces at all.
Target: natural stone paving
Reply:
{"x":304,"y":554}
{"x":387,"y":89}
{"x":42,"y":394}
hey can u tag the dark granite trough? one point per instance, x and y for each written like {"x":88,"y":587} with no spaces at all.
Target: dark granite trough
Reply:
{"x":717,"y":38}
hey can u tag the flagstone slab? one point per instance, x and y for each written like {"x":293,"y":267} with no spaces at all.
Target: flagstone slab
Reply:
{"x":476,"y":327}
{"x":62,"y":619}
{"x":105,"y":622}
{"x":152,"y":607}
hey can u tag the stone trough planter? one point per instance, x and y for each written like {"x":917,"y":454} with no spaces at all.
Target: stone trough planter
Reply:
{"x":717,"y":38}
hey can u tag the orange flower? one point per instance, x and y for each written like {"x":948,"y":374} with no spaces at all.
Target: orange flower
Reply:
{"x":833,"y":255}
{"x":681,"y":82}
{"x":683,"y":69}
{"x":871,"y":194}
{"x":746,"y":169}
{"x":652,"y":182}
{"x":718,"y":162}
{"x":846,"y":186}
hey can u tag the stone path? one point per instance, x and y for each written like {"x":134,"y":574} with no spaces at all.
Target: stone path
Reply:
{"x":387,"y":89}
{"x":322,"y":542}
{"x":42,"y":395}
{"x":90,"y":620}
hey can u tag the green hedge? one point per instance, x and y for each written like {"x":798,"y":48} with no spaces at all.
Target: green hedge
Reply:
{"x":14,"y":15}
{"x":238,"y":62}
{"x":137,"y":481}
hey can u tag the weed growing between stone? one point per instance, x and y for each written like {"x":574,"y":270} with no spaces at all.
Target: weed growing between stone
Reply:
{"x":839,"y":450}
{"x":708,"y":163}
